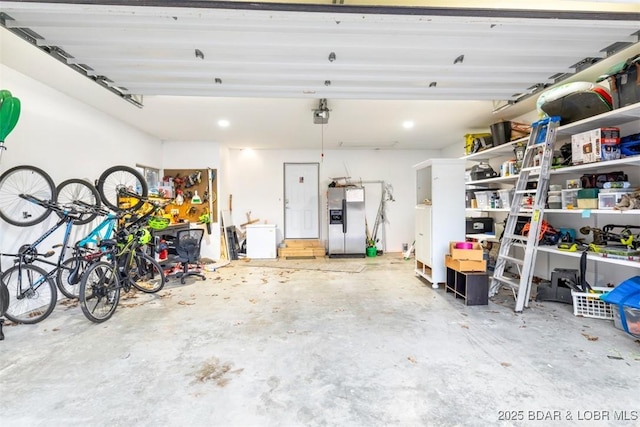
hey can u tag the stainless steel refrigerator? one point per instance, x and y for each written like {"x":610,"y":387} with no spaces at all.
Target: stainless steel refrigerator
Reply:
{"x":347,"y":229}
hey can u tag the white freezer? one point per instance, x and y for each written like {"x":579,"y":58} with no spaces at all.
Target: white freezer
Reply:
{"x":261,"y":241}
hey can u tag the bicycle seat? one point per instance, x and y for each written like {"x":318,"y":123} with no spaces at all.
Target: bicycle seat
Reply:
{"x":108,"y":243}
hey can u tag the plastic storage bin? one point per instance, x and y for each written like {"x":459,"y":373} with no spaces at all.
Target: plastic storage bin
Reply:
{"x":569,"y":198}
{"x":630,"y":314}
{"x":554,"y":199}
{"x":609,"y":199}
{"x":483,"y":199}
{"x":625,"y":299}
{"x":506,"y":197}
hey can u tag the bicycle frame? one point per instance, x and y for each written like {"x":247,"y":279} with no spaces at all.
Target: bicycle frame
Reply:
{"x":124,"y":256}
{"x":29,"y":253}
{"x":102,"y":231}
{"x":106,"y":228}
{"x":31,"y":249}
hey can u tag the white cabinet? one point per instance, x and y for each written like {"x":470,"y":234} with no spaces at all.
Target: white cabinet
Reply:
{"x":440,"y":214}
{"x":423,"y":234}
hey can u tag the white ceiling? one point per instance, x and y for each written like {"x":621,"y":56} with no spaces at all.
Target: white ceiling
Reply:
{"x":274,"y":63}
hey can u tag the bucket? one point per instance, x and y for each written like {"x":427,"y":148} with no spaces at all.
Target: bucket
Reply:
{"x":372,"y":251}
{"x":501,"y":133}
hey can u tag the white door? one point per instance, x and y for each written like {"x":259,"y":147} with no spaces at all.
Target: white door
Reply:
{"x":301,"y":201}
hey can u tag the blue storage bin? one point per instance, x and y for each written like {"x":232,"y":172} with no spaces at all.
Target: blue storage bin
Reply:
{"x":626,"y":297}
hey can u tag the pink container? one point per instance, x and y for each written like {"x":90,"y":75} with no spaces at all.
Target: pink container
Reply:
{"x":464,"y":245}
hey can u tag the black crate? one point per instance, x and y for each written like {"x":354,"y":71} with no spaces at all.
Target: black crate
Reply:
{"x":625,"y":86}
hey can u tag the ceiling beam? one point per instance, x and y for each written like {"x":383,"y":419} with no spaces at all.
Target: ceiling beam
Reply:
{"x":532,"y":13}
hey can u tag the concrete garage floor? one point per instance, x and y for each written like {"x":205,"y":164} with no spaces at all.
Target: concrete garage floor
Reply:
{"x":263,"y":346}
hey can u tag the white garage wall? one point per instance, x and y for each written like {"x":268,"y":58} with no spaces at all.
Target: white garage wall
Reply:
{"x":256,"y":185}
{"x":68,"y":139}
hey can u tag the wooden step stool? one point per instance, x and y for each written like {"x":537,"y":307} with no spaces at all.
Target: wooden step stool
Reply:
{"x":302,"y":248}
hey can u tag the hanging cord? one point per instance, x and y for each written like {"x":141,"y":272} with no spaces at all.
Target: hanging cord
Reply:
{"x":322,"y":143}
{"x":586,"y":287}
{"x":2,"y":148}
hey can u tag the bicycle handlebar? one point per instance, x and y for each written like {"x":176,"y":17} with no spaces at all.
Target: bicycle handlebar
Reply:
{"x":92,"y":208}
{"x":66,"y":210}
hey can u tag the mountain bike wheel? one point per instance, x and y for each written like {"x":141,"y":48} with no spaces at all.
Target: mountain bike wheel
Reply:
{"x":73,"y":190}
{"x":32,"y":295}
{"x":70,"y":275}
{"x":25,"y":179}
{"x":117,"y":179}
{"x":146,"y":274}
{"x":4,"y":298}
{"x":99,"y":291}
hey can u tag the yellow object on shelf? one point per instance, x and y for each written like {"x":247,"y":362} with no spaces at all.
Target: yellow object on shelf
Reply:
{"x":474,"y":142}
{"x":587,"y":203}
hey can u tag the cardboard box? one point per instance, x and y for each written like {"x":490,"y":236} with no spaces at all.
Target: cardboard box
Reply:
{"x":586,"y":147}
{"x":464,"y":264}
{"x":474,"y":254}
{"x":587,"y":203}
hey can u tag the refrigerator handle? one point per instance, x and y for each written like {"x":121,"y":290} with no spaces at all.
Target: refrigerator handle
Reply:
{"x":344,"y":216}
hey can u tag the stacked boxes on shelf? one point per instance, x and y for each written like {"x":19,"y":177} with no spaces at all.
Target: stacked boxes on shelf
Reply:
{"x":466,"y":259}
{"x":595,"y":145}
{"x":588,"y":198}
{"x":466,"y":276}
{"x":569,"y":198}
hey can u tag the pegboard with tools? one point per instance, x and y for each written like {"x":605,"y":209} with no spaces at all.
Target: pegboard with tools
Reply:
{"x":190,"y":193}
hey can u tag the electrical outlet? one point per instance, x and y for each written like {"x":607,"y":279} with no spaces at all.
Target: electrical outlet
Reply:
{"x":175,"y":211}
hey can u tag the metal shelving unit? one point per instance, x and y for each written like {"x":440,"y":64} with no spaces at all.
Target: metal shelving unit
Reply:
{"x":613,"y":118}
{"x":619,"y":116}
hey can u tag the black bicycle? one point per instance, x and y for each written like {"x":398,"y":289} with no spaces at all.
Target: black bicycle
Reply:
{"x":119,"y":224}
{"x":32,"y":290}
{"x":125,"y":265}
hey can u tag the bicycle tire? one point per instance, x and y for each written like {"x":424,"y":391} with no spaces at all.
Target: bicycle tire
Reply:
{"x":99,"y":291}
{"x":75,"y":189}
{"x":36,"y":304}
{"x":4,"y":298}
{"x":120,"y":177}
{"x":71,"y":288}
{"x":146,"y":274}
{"x":25,"y":179}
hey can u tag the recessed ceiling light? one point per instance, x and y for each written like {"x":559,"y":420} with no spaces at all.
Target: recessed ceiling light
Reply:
{"x":223,"y":123}
{"x":408,"y":124}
